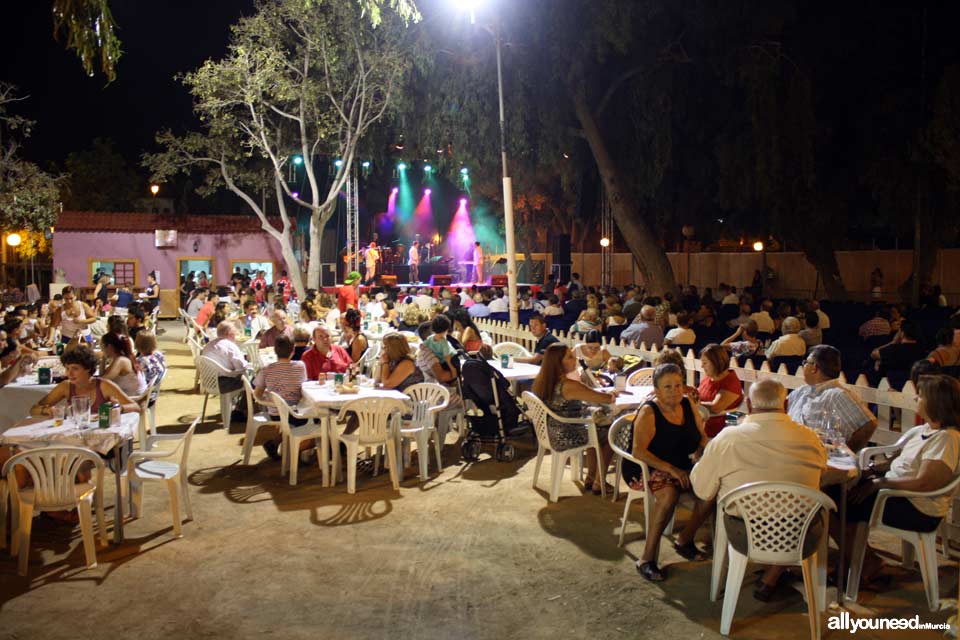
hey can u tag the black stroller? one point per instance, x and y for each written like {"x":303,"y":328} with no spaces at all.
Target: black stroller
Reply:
{"x":495,"y":416}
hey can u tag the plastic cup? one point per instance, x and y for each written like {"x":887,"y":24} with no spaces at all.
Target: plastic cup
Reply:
{"x":81,"y":411}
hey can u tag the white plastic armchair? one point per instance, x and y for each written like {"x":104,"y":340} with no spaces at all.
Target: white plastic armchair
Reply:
{"x":539,"y":413}
{"x":777,"y":516}
{"x":196,"y":348}
{"x":255,"y":421}
{"x":369,"y":358}
{"x":154,"y":399}
{"x":912,"y":542}
{"x":428,"y":399}
{"x":641,"y":377}
{"x":378,"y":420}
{"x":53,"y":471}
{"x":150,"y":466}
{"x":510,"y":348}
{"x":293,"y":436}
{"x":210,"y":371}
{"x":620,"y":437}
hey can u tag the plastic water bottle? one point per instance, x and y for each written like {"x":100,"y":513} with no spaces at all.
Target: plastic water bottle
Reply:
{"x":248,"y":329}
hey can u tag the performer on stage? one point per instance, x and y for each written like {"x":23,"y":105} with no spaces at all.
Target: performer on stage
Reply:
{"x":371,"y":258}
{"x":414,"y":262}
{"x":477,"y":263}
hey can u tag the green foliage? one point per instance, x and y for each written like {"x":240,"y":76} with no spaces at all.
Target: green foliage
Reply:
{"x":29,"y":197}
{"x":90,"y":30}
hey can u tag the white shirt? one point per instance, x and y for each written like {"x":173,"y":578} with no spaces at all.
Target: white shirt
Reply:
{"x":371,"y":256}
{"x":789,"y":344}
{"x":731,"y":298}
{"x":333,"y":319}
{"x":925,"y":443}
{"x":681,"y":336}
{"x":477,"y":255}
{"x":499,"y":305}
{"x":414,"y":256}
{"x":764,"y":321}
{"x":765,"y":447}
{"x":425,"y":302}
{"x":824,"y":320}
{"x":374,"y":309}
{"x":228,"y":355}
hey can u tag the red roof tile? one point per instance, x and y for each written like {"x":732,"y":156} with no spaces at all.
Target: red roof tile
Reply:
{"x":149,"y":222}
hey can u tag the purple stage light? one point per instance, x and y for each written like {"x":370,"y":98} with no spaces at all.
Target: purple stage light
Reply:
{"x":463,"y":202}
{"x":395,"y":190}
{"x":295,"y":194}
{"x":427,"y":191}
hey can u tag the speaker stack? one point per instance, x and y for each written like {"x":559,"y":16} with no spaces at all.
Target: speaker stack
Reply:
{"x":562,"y":262}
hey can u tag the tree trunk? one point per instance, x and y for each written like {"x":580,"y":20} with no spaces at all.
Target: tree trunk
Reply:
{"x":824,"y":260}
{"x":654,"y":266}
{"x":313,"y":253}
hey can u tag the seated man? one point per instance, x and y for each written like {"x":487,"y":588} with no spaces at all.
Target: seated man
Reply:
{"x":325,"y":357}
{"x":823,"y":392}
{"x":432,"y":368}
{"x":252,"y":318}
{"x":538,"y":327}
{"x":285,"y":378}
{"x":767,"y":446}
{"x":207,"y":310}
{"x":225,"y":352}
{"x":280,"y":328}
{"x":901,"y":352}
{"x":644,"y":329}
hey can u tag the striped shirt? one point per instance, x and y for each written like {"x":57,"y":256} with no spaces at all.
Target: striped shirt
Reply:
{"x":810,"y":400}
{"x":283,"y":378}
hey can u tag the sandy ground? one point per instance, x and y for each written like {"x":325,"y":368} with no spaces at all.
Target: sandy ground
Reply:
{"x":474,"y":553}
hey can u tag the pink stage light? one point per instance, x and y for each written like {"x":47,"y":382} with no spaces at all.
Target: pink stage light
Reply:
{"x":427,"y":191}
{"x":395,"y":190}
{"x":463,"y":202}
{"x":295,"y":194}
{"x":460,"y":235}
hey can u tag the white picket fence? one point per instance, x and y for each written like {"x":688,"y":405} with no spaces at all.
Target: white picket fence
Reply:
{"x":894,"y":408}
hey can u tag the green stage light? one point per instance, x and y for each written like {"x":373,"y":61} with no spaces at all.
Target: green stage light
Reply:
{"x":338,"y":163}
{"x":298,"y":160}
{"x":402,"y":166}
{"x":365,"y":164}
{"x":427,"y":168}
{"x":464,"y":171}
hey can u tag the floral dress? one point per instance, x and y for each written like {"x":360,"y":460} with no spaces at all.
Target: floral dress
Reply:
{"x":566,"y":436}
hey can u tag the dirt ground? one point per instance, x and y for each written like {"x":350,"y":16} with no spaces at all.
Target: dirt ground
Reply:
{"x":474,"y":553}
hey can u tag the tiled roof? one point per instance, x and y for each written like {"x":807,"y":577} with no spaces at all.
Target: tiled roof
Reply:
{"x":150,"y":222}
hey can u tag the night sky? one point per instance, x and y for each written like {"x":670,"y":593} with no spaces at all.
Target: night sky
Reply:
{"x":160,"y":39}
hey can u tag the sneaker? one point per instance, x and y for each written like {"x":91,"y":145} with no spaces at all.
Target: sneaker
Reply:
{"x":272,"y":449}
{"x":650,"y":571}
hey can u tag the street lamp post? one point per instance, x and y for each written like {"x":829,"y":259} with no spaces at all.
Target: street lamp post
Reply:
{"x":507,"y":194}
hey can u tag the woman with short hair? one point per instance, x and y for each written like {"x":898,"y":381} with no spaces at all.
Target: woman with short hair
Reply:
{"x":720,"y":390}
{"x":80,"y":364}
{"x":667,"y":431}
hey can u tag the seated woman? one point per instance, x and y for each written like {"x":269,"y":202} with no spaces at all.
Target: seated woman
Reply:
{"x":667,"y":431}
{"x":467,"y":332}
{"x":719,"y":389}
{"x":812,"y":335}
{"x":121,"y":367}
{"x":151,"y":361}
{"x":553,"y":308}
{"x":927,"y":462}
{"x":80,"y":364}
{"x":682,"y":335}
{"x":589,"y":321}
{"x":790,"y":343}
{"x":570,"y":399}
{"x":744,"y":341}
{"x":947,"y":353}
{"x":398,"y":370}
{"x":351,"y":338}
{"x":590,"y":351}
{"x":301,"y":341}
{"x":284,"y":377}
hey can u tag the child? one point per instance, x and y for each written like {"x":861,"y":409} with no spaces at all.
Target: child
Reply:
{"x":437,"y":343}
{"x":615,"y":365}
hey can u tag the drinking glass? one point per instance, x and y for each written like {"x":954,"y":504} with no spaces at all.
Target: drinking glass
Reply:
{"x":59,"y":413}
{"x":81,"y":411}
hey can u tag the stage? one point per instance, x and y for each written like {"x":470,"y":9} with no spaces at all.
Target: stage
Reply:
{"x":521,"y":286}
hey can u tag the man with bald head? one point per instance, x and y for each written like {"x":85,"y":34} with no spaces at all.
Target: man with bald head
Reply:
{"x":767,"y":447}
{"x":324,"y":357}
{"x":280,"y":327}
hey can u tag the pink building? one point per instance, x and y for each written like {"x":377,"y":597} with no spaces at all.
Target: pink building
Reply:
{"x":128,"y":246}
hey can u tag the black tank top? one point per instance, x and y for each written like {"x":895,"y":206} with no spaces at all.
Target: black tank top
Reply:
{"x":674,"y":443}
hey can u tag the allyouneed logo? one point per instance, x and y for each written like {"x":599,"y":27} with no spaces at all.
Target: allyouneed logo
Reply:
{"x":845,"y":622}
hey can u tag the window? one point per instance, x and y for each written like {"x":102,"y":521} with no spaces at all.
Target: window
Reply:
{"x":122,"y":272}
{"x":251,"y":267}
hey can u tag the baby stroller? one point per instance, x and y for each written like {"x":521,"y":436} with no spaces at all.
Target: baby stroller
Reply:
{"x":495,"y":415}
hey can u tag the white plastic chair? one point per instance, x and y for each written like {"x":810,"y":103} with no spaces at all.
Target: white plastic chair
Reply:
{"x":149,"y":466}
{"x":777,"y":516}
{"x":154,"y":397}
{"x":293,"y":436}
{"x":255,"y":421}
{"x":912,"y":542}
{"x":538,"y":414}
{"x":53,"y":471}
{"x":369,"y":358}
{"x":641,"y":377}
{"x":428,"y":399}
{"x":511,"y":348}
{"x":378,"y":426}
{"x":210,"y":371}
{"x":196,"y":349}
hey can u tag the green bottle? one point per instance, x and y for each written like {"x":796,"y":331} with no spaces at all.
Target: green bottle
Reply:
{"x":103,"y":415}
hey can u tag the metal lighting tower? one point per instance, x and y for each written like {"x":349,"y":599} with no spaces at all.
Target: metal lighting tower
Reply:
{"x":353,"y":223}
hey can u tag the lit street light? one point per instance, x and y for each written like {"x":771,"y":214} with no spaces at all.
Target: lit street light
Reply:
{"x":758,"y":246}
{"x":604,"y":242}
{"x":14,"y":239}
{"x":154,"y":189}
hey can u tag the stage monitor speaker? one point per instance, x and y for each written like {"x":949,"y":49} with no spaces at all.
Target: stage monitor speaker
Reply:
{"x":440,"y":280}
{"x":561,"y":249}
{"x":402,"y":272}
{"x":562,"y":272}
{"x":498,"y":280}
{"x":387,"y":280}
{"x":328,"y":274}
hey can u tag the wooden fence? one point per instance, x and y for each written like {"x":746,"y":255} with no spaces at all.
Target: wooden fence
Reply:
{"x":894,"y":408}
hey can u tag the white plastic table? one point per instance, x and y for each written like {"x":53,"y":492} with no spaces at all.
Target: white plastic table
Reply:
{"x":320,"y":397}
{"x":17,"y":397}
{"x":35,"y":433}
{"x":519,"y":372}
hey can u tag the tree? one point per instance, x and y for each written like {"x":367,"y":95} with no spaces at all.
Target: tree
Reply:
{"x":29,"y":197}
{"x":305,"y":82}
{"x":99,"y":179}
{"x":89,"y":28}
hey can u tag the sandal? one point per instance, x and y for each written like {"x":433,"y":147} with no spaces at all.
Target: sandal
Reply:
{"x":689,"y":551}
{"x":650,"y":571}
